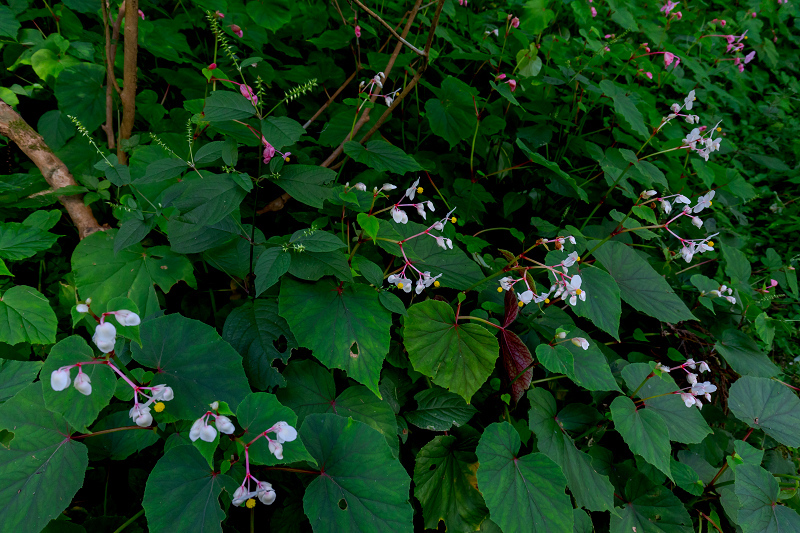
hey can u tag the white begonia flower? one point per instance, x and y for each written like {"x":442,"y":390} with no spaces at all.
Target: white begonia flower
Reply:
{"x":420,"y":210}
{"x":731,"y":299}
{"x":526,"y":297}
{"x":571,"y":239}
{"x":214,"y":406}
{"x":208,"y":433}
{"x":581,"y":342}
{"x":666,"y":206}
{"x":438,"y":225}
{"x":704,"y":367}
{"x":691,"y":378}
{"x":411,"y":191}
{"x":60,"y":380}
{"x":83,"y":384}
{"x":388,"y":187}
{"x":687,"y":252}
{"x":664,"y":368}
{"x":224,"y":425}
{"x":681,"y":199}
{"x":128,"y":318}
{"x":388,"y":100}
{"x":691,"y":364}
{"x":82,"y":308}
{"x":162,"y":392}
{"x":692,"y":138}
{"x":430,"y":206}
{"x":276,"y":449}
{"x":688,"y":399}
{"x":399,"y":215}
{"x":400,"y":282}
{"x":675,"y":109}
{"x":573,"y":288}
{"x":505,"y":283}
{"x":703,"y":202}
{"x":648,"y":194}
{"x":561,"y":335}
{"x":688,"y":102}
{"x":697,"y":221}
{"x":265,"y":492}
{"x":698,"y":403}
{"x":570,"y":260}
{"x":360,"y":186}
{"x":443,"y":242}
{"x":141,"y":415}
{"x":284,"y":432}
{"x":194,"y":433}
{"x":240,"y":496}
{"x":103,"y":337}
{"x":703,"y":388}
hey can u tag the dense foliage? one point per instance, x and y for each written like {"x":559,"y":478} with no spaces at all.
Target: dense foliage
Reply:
{"x":399,"y":266}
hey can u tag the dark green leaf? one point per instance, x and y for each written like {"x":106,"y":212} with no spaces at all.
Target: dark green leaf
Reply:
{"x":80,"y":90}
{"x":744,"y":354}
{"x":305,"y":183}
{"x":16,"y":375}
{"x":650,"y":509}
{"x":257,"y":413}
{"x":271,"y":265}
{"x":768,"y":405}
{"x":209,"y":199}
{"x":757,"y":491}
{"x":119,"y":445}
{"x":602,"y":305}
{"x":19,"y":241}
{"x":382,"y":156}
{"x":281,"y":131}
{"x":644,"y":432}
{"x":439,"y":410}
{"x":26,"y":316}
{"x":227,"y":105}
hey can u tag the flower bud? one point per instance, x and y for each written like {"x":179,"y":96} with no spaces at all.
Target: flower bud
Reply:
{"x":208,"y":433}
{"x":59,"y":379}
{"x":141,"y":415}
{"x":266,"y":493}
{"x":128,"y":318}
{"x":83,"y":384}
{"x":276,"y":449}
{"x":224,"y":425}
{"x":194,"y":433}
{"x":562,"y":335}
{"x":105,"y":331}
{"x":240,"y":496}
{"x":285,"y":432}
{"x":82,"y":308}
{"x":162,"y":392}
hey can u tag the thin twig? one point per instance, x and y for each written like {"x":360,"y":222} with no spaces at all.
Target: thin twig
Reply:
{"x":399,"y":38}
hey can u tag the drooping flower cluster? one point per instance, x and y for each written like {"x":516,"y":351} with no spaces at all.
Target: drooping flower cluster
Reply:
{"x":689,"y":247}
{"x":724,"y":292}
{"x":700,"y":139}
{"x":735,"y":46}
{"x":561,"y":334}
{"x":375,"y":83}
{"x":690,"y":394}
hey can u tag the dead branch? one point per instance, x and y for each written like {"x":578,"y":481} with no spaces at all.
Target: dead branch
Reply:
{"x":55,"y":172}
{"x":128,"y":96}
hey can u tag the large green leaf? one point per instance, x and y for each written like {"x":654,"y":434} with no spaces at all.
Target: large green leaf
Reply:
{"x":257,"y":413}
{"x":760,"y":512}
{"x":253,"y":330}
{"x":310,"y":389}
{"x":590,"y":366}
{"x":227,"y":105}
{"x":42,"y":468}
{"x":26,"y":316}
{"x":16,"y":375}
{"x":182,"y":494}
{"x":768,"y":405}
{"x":18,"y":241}
{"x":591,"y":489}
{"x":192,"y":358}
{"x":522,"y":493}
{"x":685,"y":424}
{"x":650,"y":509}
{"x":361,"y":487}
{"x":102,"y":275}
{"x":209,"y":199}
{"x":8,"y":23}
{"x":119,"y":445}
{"x":458,"y":357}
{"x":346,"y":328}
{"x":80,"y":90}
{"x":744,"y":354}
{"x":451,"y":115}
{"x":564,"y":179}
{"x":281,"y":131}
{"x":439,"y":410}
{"x":602,"y":305}
{"x":446,"y":486}
{"x":77,"y":409}
{"x":382,"y":156}
{"x":644,"y":431}
{"x":306,"y":183}
{"x":641,"y":286}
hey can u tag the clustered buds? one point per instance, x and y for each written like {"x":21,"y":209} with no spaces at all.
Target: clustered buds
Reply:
{"x":201,"y":429}
{"x":377,"y":81}
{"x":689,"y":394}
{"x":105,"y":333}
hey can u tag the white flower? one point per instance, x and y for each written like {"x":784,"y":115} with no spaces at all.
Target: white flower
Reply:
{"x":276,"y":449}
{"x":104,"y":337}
{"x":127,"y":318}
{"x":526,"y":297}
{"x":687,"y":252}
{"x":285,"y":432}
{"x":162,"y":392}
{"x":580,"y":341}
{"x":688,"y":102}
{"x":194,"y":433}
{"x":444,"y":242}
{"x":570,"y":260}
{"x":681,"y":199}
{"x":388,"y":187}
{"x":691,"y":378}
{"x":60,"y":380}
{"x":208,"y":433}
{"x":411,"y":191}
{"x":400,"y":282}
{"x":704,"y":367}
{"x":573,"y":288}
{"x":571,"y":239}
{"x":438,"y":225}
{"x":731,"y":299}
{"x":505,"y":283}
{"x":83,"y":384}
{"x":698,"y":403}
{"x":389,"y":101}
{"x":399,"y":215}
{"x":214,"y":406}
{"x":430,"y":206}
{"x":697,"y":221}
{"x":82,"y":308}
{"x":240,"y":496}
{"x":703,"y":202}
{"x":265,"y":493}
{"x":562,"y":335}
{"x":360,"y":187}
{"x":675,"y":109}
{"x":664,"y":368}
{"x":703,"y":388}
{"x":648,"y":194}
{"x":688,"y":399}
{"x":141,"y":415}
{"x":224,"y":425}
{"x":666,"y":206}
{"x":692,"y":138}
{"x":420,"y":210}
{"x":690,"y":363}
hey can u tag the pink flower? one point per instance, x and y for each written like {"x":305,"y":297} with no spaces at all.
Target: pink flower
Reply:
{"x":668,"y":7}
{"x":141,"y":14}
{"x":358,"y":32}
{"x":649,"y":75}
{"x":463,"y":3}
{"x":749,"y":57}
{"x":269,"y":151}
{"x":607,"y":36}
{"x":722,"y":23}
{"x":678,"y":15}
{"x":220,"y":15}
{"x":248,"y":93}
{"x":501,"y":77}
{"x":515,"y":22}
{"x":741,"y":68}
{"x":668,"y":58}
{"x":773,"y":282}
{"x":594,"y":12}
{"x":237,"y":30}
{"x":212,"y":66}
{"x":754,"y":14}
{"x":512,"y":85}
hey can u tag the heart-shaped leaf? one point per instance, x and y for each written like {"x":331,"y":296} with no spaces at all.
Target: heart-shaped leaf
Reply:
{"x":766,"y":404}
{"x":650,"y":509}
{"x":644,"y":431}
{"x":439,"y":410}
{"x":26,"y":316}
{"x":260,"y":411}
{"x":744,"y":354}
{"x":757,"y":491}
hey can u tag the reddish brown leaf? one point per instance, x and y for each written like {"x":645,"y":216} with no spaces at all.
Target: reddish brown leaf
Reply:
{"x":516,"y":358}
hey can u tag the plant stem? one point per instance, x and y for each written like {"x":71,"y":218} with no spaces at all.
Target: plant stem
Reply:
{"x":130,"y":521}
{"x":112,"y":430}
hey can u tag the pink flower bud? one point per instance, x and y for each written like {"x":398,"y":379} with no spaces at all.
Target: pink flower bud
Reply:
{"x":501,"y":77}
{"x":668,"y":58}
{"x":722,"y":23}
{"x":237,"y":30}
{"x":679,"y":15}
{"x":773,"y":282}
{"x":358,"y":31}
{"x":515,"y":22}
{"x":513,"y":85}
{"x":741,"y":68}
{"x":594,"y":11}
{"x":649,"y":75}
{"x":212,"y":66}
{"x":141,"y":14}
{"x":754,"y":14}
{"x":220,"y":15}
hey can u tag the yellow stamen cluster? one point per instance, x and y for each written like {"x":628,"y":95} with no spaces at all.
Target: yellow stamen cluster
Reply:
{"x":499,"y":289}
{"x":453,"y":220}
{"x":520,"y":304}
{"x":250,"y":503}
{"x":399,"y":285}
{"x":578,"y":292}
{"x":719,"y":129}
{"x":419,"y":190}
{"x":547,"y":300}
{"x":711,"y":244}
{"x":710,"y":202}
{"x":436,"y":283}
{"x":159,"y":406}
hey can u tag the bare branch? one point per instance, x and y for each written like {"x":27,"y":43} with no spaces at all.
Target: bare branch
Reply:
{"x":128,"y":96}
{"x":401,"y":39}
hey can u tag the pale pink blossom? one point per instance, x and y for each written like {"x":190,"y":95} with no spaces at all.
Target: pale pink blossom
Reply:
{"x":141,"y":14}
{"x":649,"y":75}
{"x":248,"y":93}
{"x":515,"y":22}
{"x":237,"y":30}
{"x":512,"y":84}
{"x":358,"y":31}
{"x":594,"y":11}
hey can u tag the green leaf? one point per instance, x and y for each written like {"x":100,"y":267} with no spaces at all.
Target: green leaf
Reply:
{"x":26,"y":316}
{"x":641,"y":286}
{"x":439,"y":410}
{"x":305,"y":183}
{"x":257,"y":413}
{"x":758,"y":491}
{"x":505,"y":91}
{"x":602,"y":305}
{"x":446,"y":486}
{"x":768,"y":405}
{"x":458,"y":357}
{"x":132,"y":231}
{"x":316,"y":241}
{"x":183,"y":475}
{"x":271,"y":265}
{"x":685,"y":424}
{"x":744,"y":354}
{"x":311,"y":390}
{"x":119,"y":445}
{"x":80,"y":90}
{"x":591,"y":490}
{"x":16,"y":375}
{"x":560,"y":176}
{"x":381,"y":156}
{"x":77,"y":409}
{"x":42,"y":467}
{"x":556,"y":359}
{"x":43,"y":220}
{"x":119,"y":175}
{"x":227,"y":105}
{"x":376,"y":497}
{"x":590,"y":367}
{"x":369,"y":224}
{"x":19,"y":241}
{"x":522,"y":493}
{"x":345,"y":327}
{"x":192,"y":358}
{"x":208,"y":153}
{"x":650,"y":509}
{"x":644,"y":431}
{"x":270,"y":15}
{"x":116,"y":304}
{"x":56,"y":129}
{"x":162,"y":170}
{"x":392,"y":303}
{"x":281,"y":131}
{"x":102,"y":275}
{"x":772,"y":163}
{"x":254,"y":330}
{"x":209,"y":199}
{"x":451,"y":121}
{"x":8,"y":23}
{"x":737,"y":266}
{"x":625,"y":107}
